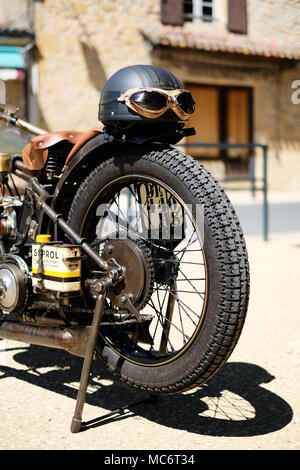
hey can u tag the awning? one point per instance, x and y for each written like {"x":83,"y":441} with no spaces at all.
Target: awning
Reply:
{"x":12,"y":57}
{"x":12,"y":74}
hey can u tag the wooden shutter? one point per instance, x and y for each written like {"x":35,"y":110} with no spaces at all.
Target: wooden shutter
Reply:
{"x":237,"y":16}
{"x":205,"y":120}
{"x":238,"y":120}
{"x":172,"y":12}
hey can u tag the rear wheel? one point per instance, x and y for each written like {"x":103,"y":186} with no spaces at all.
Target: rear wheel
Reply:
{"x":164,"y":218}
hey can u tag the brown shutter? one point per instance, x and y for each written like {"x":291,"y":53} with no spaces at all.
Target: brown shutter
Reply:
{"x":237,"y":16}
{"x":205,"y":120}
{"x":172,"y":12}
{"x":238,"y":120}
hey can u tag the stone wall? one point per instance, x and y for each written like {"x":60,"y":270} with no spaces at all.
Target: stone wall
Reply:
{"x":278,"y":125}
{"x":275,"y":19}
{"x":16,"y":14}
{"x":80,"y":44}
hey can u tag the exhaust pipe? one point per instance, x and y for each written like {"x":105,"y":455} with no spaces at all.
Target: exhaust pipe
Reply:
{"x":72,"y":339}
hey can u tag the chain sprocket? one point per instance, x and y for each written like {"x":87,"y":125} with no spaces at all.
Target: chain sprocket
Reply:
{"x":132,"y":253}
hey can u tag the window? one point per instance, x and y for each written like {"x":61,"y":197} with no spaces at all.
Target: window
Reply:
{"x":199,"y":10}
{"x":223,"y":114}
{"x":176,"y":12}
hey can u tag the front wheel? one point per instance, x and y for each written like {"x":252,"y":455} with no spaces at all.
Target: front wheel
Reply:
{"x":163,"y":217}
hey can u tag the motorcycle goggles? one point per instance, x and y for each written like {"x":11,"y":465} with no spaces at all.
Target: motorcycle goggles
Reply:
{"x":154,"y":102}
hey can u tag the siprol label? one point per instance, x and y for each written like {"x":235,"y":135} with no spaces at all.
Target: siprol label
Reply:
{"x":57,"y":266}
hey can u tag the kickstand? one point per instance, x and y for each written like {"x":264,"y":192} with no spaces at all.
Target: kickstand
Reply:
{"x":151,"y":400}
{"x":101,"y":288}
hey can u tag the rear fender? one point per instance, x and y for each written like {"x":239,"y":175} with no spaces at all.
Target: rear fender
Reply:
{"x":81,"y":164}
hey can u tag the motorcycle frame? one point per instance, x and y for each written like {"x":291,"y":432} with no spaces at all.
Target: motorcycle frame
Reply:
{"x":98,"y":287}
{"x":75,"y":171}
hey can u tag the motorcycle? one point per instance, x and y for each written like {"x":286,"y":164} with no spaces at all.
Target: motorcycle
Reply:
{"x":124,"y":248}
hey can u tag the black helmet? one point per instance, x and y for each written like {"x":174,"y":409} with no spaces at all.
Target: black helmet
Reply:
{"x":114,"y":107}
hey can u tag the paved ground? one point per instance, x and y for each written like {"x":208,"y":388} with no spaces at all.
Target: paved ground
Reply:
{"x":253,"y":403}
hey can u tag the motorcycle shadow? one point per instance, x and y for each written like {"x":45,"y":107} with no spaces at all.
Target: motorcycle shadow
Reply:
{"x":233,"y":403}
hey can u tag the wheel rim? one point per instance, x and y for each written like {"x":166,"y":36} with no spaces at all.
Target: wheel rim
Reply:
{"x":148,"y":209}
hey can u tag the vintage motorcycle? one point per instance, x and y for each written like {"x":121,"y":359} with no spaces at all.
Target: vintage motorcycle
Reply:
{"x":122,"y":246}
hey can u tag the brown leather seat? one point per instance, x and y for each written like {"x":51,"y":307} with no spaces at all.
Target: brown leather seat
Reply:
{"x":35,"y":153}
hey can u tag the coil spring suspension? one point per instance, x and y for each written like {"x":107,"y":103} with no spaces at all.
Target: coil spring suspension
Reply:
{"x":53,"y":165}
{"x":56,"y":159}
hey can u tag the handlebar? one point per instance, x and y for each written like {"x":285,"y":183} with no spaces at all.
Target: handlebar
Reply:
{"x":10,"y":118}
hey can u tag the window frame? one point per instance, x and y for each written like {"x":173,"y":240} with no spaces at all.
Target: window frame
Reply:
{"x":197,"y":14}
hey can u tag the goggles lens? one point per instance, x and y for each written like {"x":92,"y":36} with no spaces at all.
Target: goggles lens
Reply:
{"x":186,"y":102}
{"x":151,"y":100}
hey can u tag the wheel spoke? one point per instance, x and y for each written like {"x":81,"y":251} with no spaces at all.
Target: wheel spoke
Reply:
{"x":191,"y":284}
{"x":159,"y":219}
{"x":167,"y":319}
{"x":159,"y":317}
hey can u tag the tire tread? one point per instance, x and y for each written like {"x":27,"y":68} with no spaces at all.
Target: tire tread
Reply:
{"x":231,"y":254}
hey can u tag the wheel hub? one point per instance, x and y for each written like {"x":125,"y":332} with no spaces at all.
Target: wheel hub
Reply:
{"x":135,"y":258}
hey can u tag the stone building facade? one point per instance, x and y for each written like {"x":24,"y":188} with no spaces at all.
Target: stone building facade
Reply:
{"x":241,"y":59}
